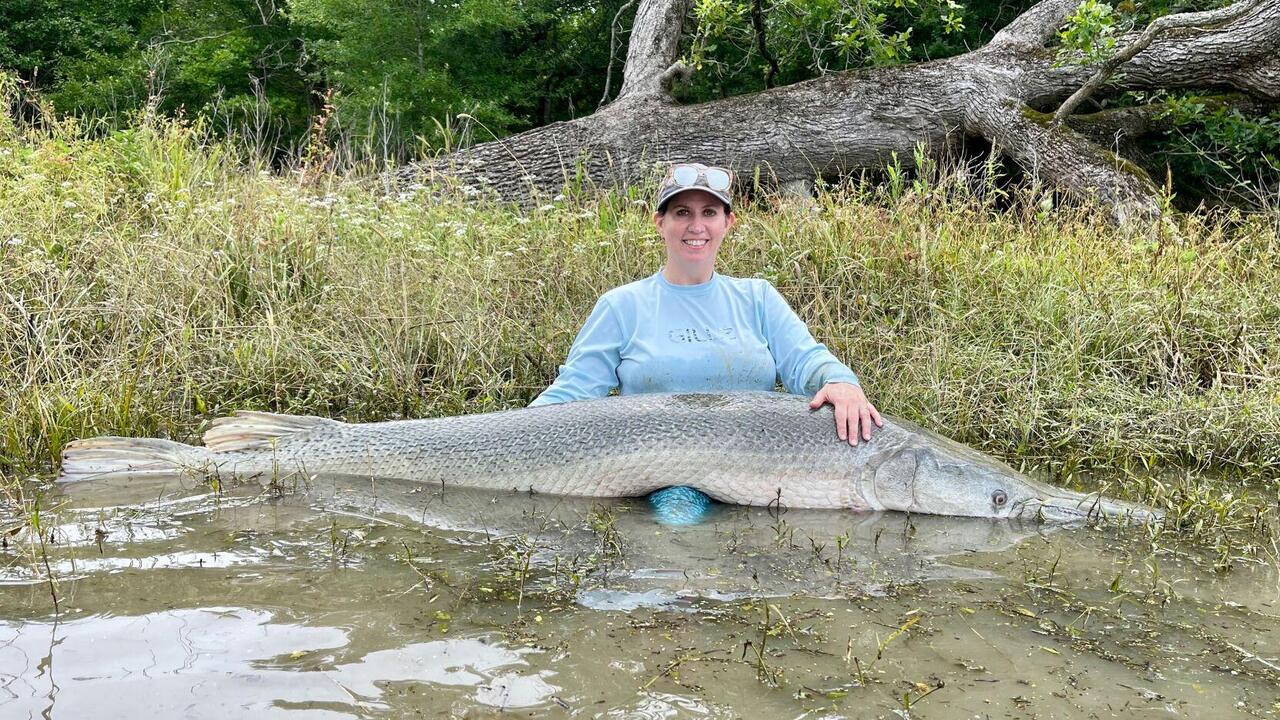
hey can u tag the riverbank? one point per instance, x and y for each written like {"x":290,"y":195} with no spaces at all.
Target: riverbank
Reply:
{"x":154,"y":279}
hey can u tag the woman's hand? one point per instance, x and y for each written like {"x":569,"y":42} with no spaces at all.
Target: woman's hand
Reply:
{"x":854,"y":411}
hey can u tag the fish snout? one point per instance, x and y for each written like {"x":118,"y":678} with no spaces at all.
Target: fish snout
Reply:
{"x":1070,"y":507}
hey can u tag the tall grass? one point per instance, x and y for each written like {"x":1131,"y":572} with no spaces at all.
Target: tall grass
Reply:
{"x":153,"y":278}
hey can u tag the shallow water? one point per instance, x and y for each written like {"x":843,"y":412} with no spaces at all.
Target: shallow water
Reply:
{"x":344,"y":599}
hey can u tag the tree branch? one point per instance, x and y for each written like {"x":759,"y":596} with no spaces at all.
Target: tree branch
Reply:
{"x":1067,"y":159}
{"x":1159,"y":26}
{"x":757,"y":22}
{"x":654,"y":47}
{"x":1260,"y":79}
{"x":678,"y":72}
{"x":613,"y":51}
{"x":1241,"y":54}
{"x":1121,"y":125}
{"x":1036,"y":26}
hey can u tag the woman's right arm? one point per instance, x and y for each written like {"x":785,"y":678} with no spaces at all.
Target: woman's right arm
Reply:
{"x":591,"y":369}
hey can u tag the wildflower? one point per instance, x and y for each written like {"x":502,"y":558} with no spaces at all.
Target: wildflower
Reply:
{"x":69,"y":204}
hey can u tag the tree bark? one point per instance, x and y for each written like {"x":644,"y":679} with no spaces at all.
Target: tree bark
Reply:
{"x":859,"y":120}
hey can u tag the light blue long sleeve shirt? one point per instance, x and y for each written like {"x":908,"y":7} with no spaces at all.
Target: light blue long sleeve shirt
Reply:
{"x":725,"y":334}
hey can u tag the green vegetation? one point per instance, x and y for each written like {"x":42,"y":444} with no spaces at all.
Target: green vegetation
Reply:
{"x":154,"y":278}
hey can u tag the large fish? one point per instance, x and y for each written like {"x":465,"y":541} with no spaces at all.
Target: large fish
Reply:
{"x":750,"y":448}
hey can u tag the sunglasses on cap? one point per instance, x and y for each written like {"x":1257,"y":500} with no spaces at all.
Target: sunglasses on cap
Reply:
{"x":687,"y":176}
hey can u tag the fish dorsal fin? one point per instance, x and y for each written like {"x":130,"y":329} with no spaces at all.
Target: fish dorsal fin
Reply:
{"x":252,"y":430}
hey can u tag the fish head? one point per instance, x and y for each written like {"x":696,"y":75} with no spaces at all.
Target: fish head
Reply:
{"x":945,"y":478}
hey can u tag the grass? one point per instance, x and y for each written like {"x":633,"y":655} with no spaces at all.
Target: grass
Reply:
{"x":154,"y":278}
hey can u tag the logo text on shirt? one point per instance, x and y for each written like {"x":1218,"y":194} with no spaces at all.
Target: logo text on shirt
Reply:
{"x":701,"y":335}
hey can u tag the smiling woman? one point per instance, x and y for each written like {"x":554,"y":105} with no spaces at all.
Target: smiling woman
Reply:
{"x":688,"y":329}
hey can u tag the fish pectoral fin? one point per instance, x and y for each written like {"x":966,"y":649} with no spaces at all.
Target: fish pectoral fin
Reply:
{"x":252,"y":430}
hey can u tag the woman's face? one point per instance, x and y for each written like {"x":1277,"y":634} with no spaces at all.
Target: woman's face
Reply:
{"x":693,"y":228}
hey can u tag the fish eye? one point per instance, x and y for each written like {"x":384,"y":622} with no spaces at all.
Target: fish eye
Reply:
{"x":999,"y":498}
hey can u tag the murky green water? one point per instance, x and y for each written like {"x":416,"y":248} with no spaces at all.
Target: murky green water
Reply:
{"x":347,"y":600}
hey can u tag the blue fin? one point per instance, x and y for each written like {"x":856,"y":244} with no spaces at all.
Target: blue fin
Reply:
{"x":680,"y":505}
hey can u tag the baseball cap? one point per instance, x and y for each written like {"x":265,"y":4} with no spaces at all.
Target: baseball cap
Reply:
{"x":716,"y":181}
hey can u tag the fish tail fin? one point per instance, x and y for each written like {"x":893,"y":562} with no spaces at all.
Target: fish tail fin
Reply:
{"x":94,"y":457}
{"x":252,"y":430}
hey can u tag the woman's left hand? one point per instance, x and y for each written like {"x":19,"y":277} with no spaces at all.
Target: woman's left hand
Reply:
{"x":854,"y":412}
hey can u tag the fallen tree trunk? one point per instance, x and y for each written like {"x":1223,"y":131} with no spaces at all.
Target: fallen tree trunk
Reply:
{"x":859,"y":120}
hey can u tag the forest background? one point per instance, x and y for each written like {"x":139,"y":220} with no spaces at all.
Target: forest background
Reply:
{"x":400,"y":79}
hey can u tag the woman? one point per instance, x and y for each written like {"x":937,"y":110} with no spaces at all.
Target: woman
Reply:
{"x":689,"y":329}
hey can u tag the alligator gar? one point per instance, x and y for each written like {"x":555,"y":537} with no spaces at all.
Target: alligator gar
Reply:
{"x":748,"y":448}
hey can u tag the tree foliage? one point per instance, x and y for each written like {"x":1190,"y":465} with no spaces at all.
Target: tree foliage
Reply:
{"x":420,"y":65}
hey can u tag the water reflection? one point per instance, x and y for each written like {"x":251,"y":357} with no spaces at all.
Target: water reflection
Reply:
{"x":238,"y":662}
{"x":466,"y":662}
{"x":739,"y":552}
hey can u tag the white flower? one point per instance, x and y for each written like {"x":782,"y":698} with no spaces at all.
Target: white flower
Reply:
{"x":15,"y":240}
{"x":69,"y":204}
